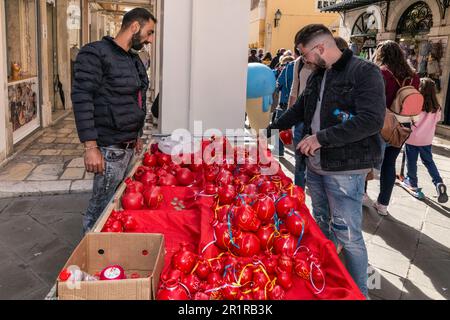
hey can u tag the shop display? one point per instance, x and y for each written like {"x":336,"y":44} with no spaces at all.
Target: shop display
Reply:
{"x":252,"y":232}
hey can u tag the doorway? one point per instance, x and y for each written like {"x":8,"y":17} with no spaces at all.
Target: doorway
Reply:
{"x":56,"y":94}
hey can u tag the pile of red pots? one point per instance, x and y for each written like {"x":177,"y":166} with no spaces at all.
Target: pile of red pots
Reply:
{"x":119,"y":221}
{"x":258,"y":224}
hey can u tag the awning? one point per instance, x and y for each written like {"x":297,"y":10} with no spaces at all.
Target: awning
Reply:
{"x":345,"y":5}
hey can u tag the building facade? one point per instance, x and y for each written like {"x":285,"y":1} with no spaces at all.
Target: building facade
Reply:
{"x":36,"y":40}
{"x":274,"y":23}
{"x":39,"y":41}
{"x":421,"y":27}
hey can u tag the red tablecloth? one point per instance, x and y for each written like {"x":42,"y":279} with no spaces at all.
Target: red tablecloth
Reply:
{"x":193,"y":225}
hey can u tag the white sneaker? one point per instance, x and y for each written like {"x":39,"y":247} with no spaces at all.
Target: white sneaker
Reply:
{"x":367,"y":202}
{"x":381,"y":209}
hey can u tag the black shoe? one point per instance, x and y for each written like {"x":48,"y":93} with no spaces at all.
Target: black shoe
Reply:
{"x":442,"y":193}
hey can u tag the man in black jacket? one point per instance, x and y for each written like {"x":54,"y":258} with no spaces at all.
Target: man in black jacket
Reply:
{"x":342,"y":107}
{"x":109,"y":103}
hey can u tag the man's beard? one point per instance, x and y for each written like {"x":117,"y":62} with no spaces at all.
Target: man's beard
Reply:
{"x":320,"y":62}
{"x":136,"y":43}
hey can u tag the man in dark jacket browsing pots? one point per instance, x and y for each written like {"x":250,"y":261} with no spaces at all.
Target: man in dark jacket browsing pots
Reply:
{"x":343,"y":108}
{"x":109,"y":103}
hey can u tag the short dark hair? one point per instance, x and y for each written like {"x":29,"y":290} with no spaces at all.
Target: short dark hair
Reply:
{"x":309,"y":32}
{"x":137,"y":14}
{"x":341,"y":43}
{"x":253,"y":51}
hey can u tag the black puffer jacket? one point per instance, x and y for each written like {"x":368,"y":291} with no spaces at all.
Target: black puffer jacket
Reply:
{"x":105,"y":93}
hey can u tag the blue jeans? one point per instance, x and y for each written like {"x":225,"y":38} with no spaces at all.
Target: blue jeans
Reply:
{"x":279,"y":146}
{"x":105,"y":185}
{"x":412,"y":155}
{"x":300,"y":166}
{"x":337,"y":209}
{"x":388,"y":174}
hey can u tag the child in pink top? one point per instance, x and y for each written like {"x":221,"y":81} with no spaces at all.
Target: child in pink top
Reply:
{"x":419,"y":143}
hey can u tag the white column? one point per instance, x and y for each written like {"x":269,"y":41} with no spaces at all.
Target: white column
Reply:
{"x":5,"y":127}
{"x":176,"y":22}
{"x":219,"y":63}
{"x":204,"y":63}
{"x":46,"y":105}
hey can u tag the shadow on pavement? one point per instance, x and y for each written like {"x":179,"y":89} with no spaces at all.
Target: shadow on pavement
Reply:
{"x":430,"y":256}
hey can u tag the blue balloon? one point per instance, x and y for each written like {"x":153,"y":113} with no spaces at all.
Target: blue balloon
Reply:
{"x":261,"y":82}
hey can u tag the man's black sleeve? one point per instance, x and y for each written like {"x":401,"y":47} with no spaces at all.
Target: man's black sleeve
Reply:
{"x":291,"y":117}
{"x":87,"y":81}
{"x":370,"y":109}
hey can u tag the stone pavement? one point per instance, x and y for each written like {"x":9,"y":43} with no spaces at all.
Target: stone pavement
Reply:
{"x":37,"y":236}
{"x":49,"y":162}
{"x":410,"y":248}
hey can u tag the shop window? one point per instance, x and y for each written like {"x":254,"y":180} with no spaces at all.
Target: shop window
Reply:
{"x":21,"y":39}
{"x":417,"y":19}
{"x":23,"y":83}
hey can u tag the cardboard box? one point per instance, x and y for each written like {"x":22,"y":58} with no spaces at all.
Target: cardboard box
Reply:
{"x":135,"y":252}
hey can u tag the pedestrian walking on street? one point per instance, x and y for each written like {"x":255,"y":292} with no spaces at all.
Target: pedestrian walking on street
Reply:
{"x":284,"y":85}
{"x":267,"y":59}
{"x":109,"y":103}
{"x":276,"y":59}
{"x":253,"y":58}
{"x":343,"y":108}
{"x":419,"y":142}
{"x":395,"y":69}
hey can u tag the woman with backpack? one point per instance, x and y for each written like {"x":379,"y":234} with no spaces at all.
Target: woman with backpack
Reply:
{"x":396,"y":73}
{"x":419,"y":142}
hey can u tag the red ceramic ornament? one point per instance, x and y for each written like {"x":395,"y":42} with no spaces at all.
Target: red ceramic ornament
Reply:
{"x":153,"y":197}
{"x":284,"y":205}
{"x":150,"y":160}
{"x":132,"y":199}
{"x":167,"y":180}
{"x":184,"y":177}
{"x":285,"y":263}
{"x":284,"y":279}
{"x":184,"y":259}
{"x":277,"y":293}
{"x":163,"y":158}
{"x":264,"y":207}
{"x":231,"y":293}
{"x":227,"y":194}
{"x":130,"y":224}
{"x":245,"y":218}
{"x":248,"y":245}
{"x":285,"y":243}
{"x":286,"y":136}
{"x":295,"y":223}
{"x":214,"y":278}
{"x":172,"y":290}
{"x":149,"y":178}
{"x":192,"y":283}
{"x":270,"y":262}
{"x":203,"y":269}
{"x":266,"y":235}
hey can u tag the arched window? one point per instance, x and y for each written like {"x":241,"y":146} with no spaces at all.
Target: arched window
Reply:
{"x":365,"y":25}
{"x":417,"y":19}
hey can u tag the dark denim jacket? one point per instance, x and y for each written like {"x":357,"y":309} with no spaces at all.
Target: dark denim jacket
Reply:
{"x":356,"y":87}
